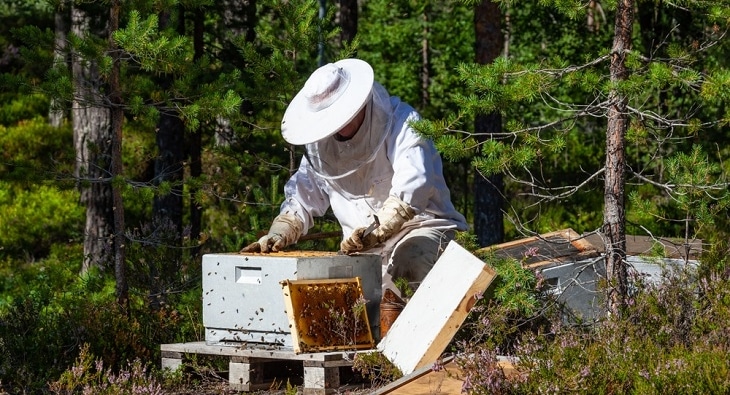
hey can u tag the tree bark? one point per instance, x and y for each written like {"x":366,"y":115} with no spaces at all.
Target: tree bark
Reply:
{"x":56,"y":115}
{"x":614,"y":216}
{"x":488,"y":191}
{"x":425,"y":66}
{"x":92,"y":135}
{"x":194,"y":142}
{"x":168,"y":207}
{"x":117,"y":117}
{"x":348,"y":14}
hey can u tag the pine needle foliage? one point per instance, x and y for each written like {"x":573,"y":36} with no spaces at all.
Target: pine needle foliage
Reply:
{"x":554,"y":101}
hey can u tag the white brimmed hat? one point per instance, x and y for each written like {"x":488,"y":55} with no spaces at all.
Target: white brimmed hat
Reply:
{"x":329,"y":100}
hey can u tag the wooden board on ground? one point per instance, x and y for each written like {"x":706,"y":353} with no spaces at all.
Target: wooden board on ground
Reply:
{"x":437,"y":309}
{"x":426,"y":381}
{"x":554,"y":247}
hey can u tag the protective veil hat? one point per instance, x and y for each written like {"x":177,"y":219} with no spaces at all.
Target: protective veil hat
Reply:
{"x":329,"y":100}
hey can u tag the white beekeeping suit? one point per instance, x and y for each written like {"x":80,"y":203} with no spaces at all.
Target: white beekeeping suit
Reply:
{"x":381,"y":168}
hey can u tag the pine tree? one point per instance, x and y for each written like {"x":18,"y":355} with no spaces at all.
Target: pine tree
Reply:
{"x":545,"y":101}
{"x":91,"y":119}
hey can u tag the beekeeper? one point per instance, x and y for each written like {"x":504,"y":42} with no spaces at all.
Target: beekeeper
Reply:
{"x":363,"y":159}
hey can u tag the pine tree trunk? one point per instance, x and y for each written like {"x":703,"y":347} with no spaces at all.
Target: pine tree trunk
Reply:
{"x":614,"y":216}
{"x":60,"y":21}
{"x":194,"y":142}
{"x":168,"y":208}
{"x":425,"y":63}
{"x":488,"y":192}
{"x":117,"y":117}
{"x":348,"y":20}
{"x":92,"y":135}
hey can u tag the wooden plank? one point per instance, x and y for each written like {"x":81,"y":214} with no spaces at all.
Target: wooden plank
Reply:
{"x":437,"y":309}
{"x":426,"y":381}
{"x":644,"y":245}
{"x":409,"y":378}
{"x":549,"y":248}
{"x":321,"y":370}
{"x":273,"y":354}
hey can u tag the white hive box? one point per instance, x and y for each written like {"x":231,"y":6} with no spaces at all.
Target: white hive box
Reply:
{"x":242,"y":293}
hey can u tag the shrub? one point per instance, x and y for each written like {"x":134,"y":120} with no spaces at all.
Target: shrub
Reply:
{"x":32,"y":220}
{"x":88,"y":376}
{"x":33,"y":151}
{"x":376,"y":368}
{"x":673,"y":339}
{"x":22,"y":107}
{"x":34,"y":342}
{"x":51,"y":311}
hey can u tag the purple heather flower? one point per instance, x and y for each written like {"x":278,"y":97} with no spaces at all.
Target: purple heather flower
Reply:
{"x":532,"y":251}
{"x":466,"y":385}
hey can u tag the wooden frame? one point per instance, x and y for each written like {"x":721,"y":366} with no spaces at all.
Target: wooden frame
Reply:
{"x":327,"y":315}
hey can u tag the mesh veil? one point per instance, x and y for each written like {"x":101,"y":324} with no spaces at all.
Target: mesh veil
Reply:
{"x":339,"y":161}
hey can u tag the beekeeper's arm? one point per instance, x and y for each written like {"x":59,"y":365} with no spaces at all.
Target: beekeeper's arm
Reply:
{"x":305,"y":198}
{"x":412,"y":186}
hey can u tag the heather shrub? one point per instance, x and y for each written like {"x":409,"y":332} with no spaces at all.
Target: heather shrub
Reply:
{"x":89,"y":376}
{"x":514,"y":307}
{"x":35,"y":342}
{"x":672,"y":339}
{"x":48,"y":311}
{"x":513,"y":304}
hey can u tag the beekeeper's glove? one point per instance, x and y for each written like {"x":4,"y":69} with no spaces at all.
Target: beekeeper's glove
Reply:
{"x":284,"y":231}
{"x":392,"y":216}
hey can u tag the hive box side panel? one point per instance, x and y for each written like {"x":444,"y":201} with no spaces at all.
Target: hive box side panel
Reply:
{"x":242,"y":299}
{"x":437,"y":309}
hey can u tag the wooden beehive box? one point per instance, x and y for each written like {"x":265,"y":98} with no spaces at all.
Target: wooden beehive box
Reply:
{"x":550,"y":248}
{"x":327,"y":315}
{"x":242,"y":301}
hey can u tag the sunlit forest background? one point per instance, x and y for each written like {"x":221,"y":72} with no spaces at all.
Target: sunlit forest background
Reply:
{"x":138,"y":135}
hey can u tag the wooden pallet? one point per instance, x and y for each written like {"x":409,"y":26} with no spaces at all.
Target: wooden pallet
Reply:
{"x":321,"y":370}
